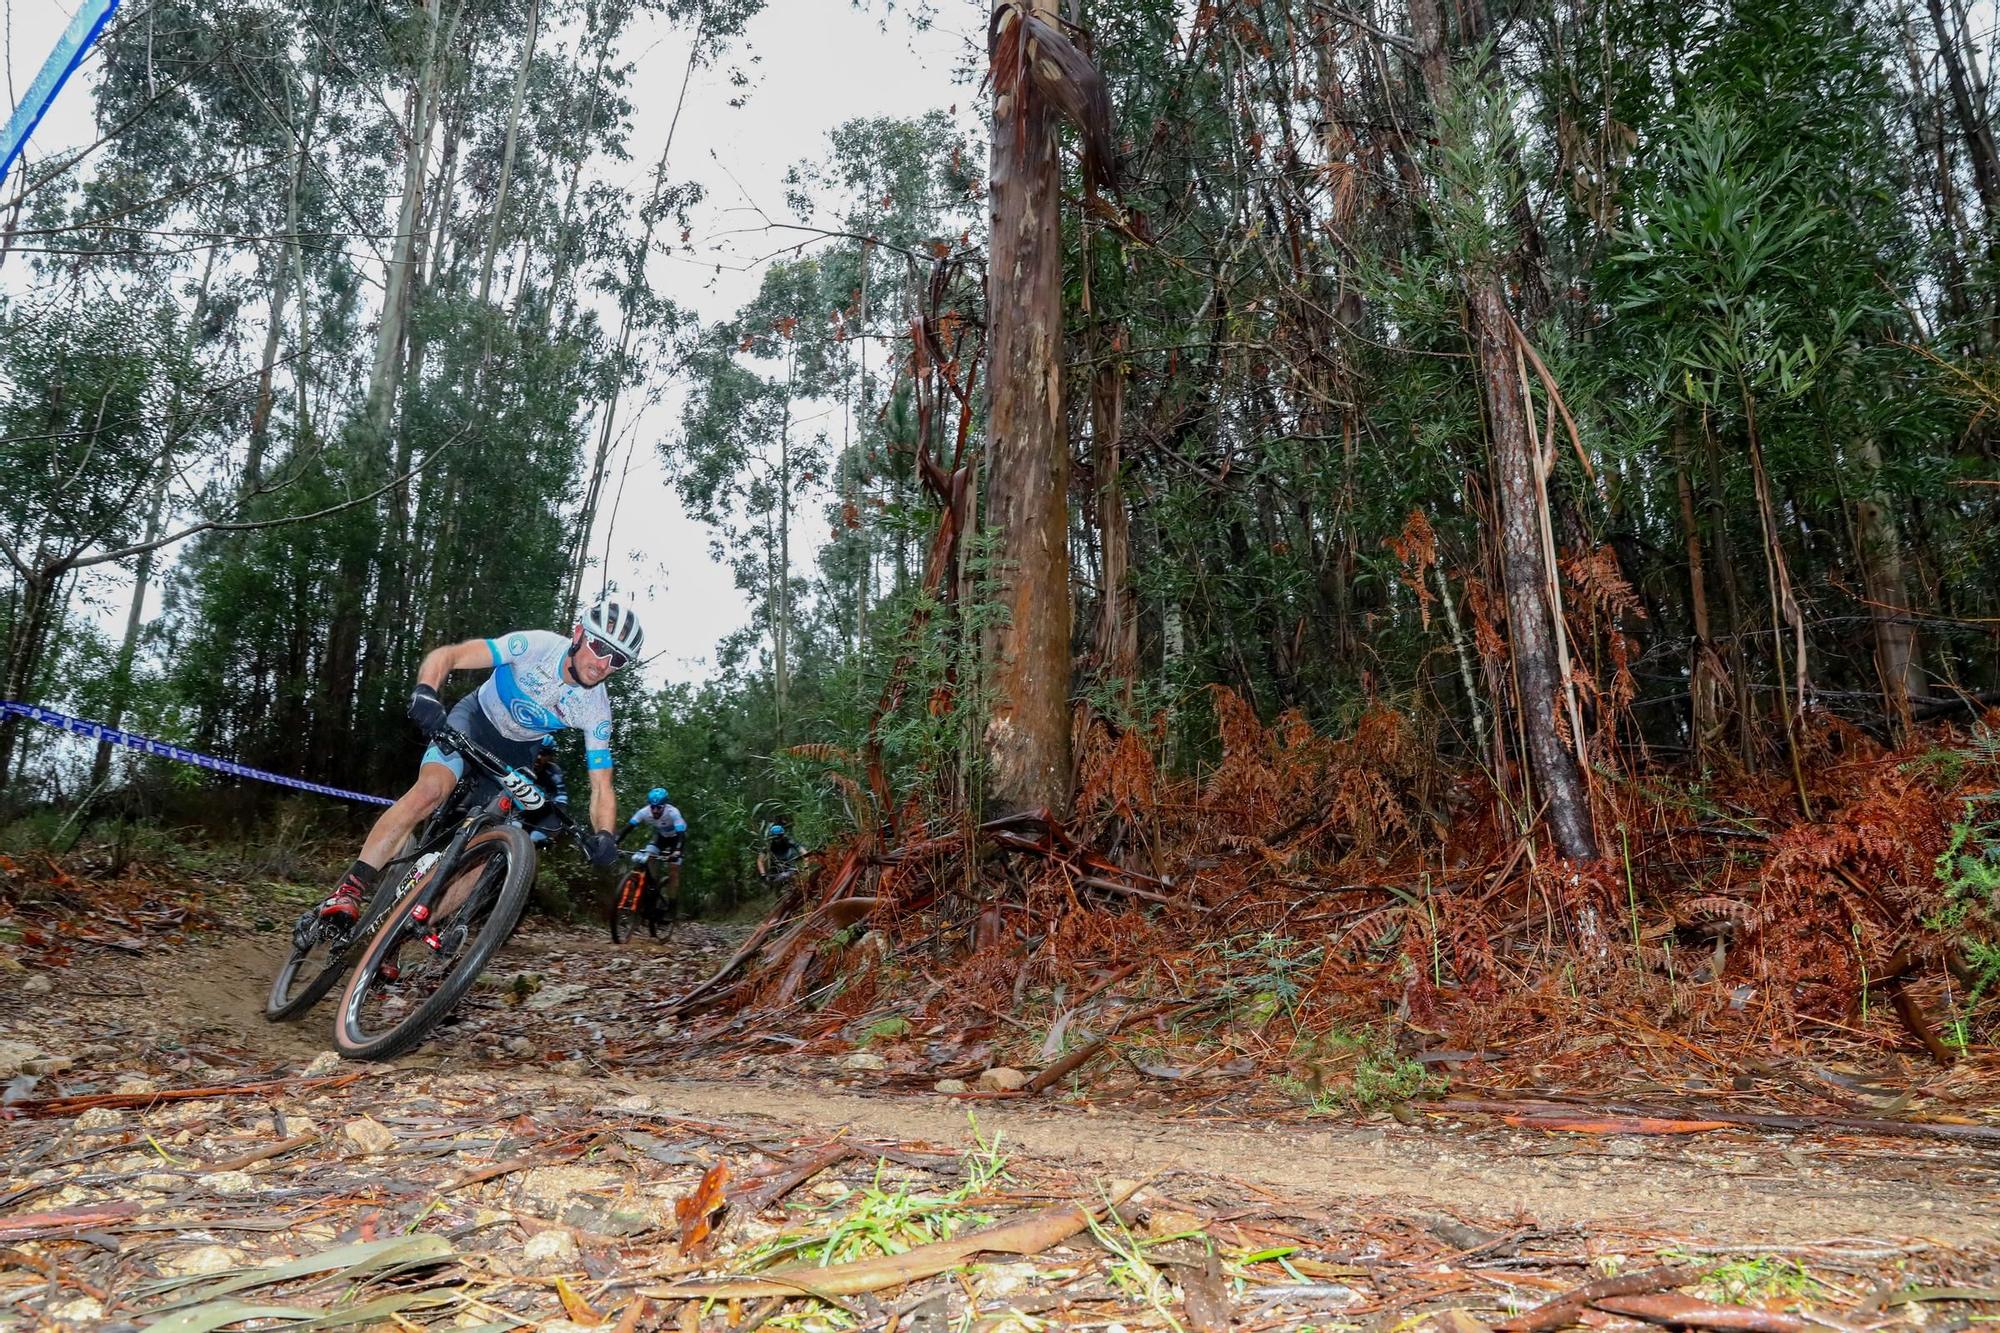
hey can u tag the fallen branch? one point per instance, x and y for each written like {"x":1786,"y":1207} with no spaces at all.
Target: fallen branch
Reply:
{"x":1032,"y":1234}
{"x":757,"y":1200}
{"x":1565,"y":1308}
{"x":1529,"y":1115}
{"x":48,"y":1106}
{"x":28,"y":1226}
{"x":1688,"y":1312}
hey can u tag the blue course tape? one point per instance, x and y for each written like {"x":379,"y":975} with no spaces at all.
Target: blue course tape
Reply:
{"x":69,"y":52}
{"x":98,"y":731}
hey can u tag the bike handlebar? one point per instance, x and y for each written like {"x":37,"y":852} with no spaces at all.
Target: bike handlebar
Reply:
{"x":494,"y":766}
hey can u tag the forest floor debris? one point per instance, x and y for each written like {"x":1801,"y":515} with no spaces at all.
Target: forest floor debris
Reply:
{"x":193,"y":1164}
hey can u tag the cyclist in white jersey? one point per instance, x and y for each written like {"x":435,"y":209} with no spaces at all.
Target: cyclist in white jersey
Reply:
{"x":541,"y":683}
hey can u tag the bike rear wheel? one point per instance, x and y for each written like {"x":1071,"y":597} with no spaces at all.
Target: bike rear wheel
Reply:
{"x":320,"y":953}
{"x":430,"y":964}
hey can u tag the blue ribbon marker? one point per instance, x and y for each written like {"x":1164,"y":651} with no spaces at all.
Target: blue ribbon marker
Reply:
{"x":69,"y":52}
{"x":97,"y":731}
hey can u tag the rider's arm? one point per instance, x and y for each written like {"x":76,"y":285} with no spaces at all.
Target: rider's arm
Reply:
{"x":438,"y":663}
{"x":603,"y":800}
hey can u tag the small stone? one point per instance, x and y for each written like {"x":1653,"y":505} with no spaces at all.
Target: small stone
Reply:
{"x":550,"y":1250}
{"x":553,"y":1187}
{"x":324,"y":1065}
{"x":949,"y":1085}
{"x":1003,"y":1079}
{"x":231,"y":1182}
{"x":521,"y":1048}
{"x":135,"y":1086}
{"x":159,"y":1180}
{"x":1000,"y":1281}
{"x":549,"y":997}
{"x":14,"y":1055}
{"x":38,"y":984}
{"x":85,"y":1312}
{"x":369,"y":1135}
{"x":99,"y":1117}
{"x":1625,"y":1148}
{"x":864,"y":1062}
{"x":203,"y":1260}
{"x":47,"y":1064}
{"x":636,"y":1104}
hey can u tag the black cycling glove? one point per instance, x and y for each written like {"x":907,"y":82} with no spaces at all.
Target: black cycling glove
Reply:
{"x":600,"y":847}
{"x":426,"y":710}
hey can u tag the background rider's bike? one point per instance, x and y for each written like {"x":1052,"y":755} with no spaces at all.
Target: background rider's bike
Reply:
{"x":453,"y":909}
{"x":638,"y":899}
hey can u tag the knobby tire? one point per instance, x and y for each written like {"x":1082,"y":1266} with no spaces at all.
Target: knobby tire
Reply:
{"x":284,"y":1003}
{"x":512,"y":899}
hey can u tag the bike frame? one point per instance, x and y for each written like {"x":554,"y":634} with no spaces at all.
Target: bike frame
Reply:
{"x":475,"y":821}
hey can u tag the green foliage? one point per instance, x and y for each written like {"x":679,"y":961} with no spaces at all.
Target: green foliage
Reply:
{"x":1355,"y":1071}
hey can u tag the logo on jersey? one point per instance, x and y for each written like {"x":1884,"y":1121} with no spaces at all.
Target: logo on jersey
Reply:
{"x":516,"y":644}
{"x":530,"y":718}
{"x":602,"y":731}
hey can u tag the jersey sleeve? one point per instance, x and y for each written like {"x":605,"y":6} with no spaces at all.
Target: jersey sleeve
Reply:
{"x":596,"y":728}
{"x":511,"y":646}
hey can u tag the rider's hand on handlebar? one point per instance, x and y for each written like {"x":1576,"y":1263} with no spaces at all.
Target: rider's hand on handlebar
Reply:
{"x":600,"y":847}
{"x":427,"y":711}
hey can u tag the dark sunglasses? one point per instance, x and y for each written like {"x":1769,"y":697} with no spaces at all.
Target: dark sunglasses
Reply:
{"x":606,"y":653}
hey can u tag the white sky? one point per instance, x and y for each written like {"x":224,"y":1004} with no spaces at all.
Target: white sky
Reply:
{"x":819,"y":63}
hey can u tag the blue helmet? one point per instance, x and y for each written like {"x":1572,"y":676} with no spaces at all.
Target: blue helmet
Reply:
{"x":549,"y":742}
{"x":777,"y":830}
{"x":657,"y":796}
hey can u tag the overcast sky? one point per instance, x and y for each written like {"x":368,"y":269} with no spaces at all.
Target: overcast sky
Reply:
{"x":818,"y":63}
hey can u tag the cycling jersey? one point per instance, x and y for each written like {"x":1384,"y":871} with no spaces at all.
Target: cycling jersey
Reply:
{"x":666,"y":821}
{"x":527,"y":696}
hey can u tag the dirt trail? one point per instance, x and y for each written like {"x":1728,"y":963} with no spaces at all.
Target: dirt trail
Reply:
{"x":1726,"y":1189}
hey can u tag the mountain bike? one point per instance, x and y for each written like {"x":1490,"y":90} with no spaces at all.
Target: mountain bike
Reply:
{"x":466,"y":887}
{"x":638,"y":899}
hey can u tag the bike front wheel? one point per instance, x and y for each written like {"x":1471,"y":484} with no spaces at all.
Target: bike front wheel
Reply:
{"x":416,"y":970}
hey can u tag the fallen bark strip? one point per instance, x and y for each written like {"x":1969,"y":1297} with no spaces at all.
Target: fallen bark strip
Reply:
{"x":1027,"y":1235}
{"x":1565,"y":1308}
{"x":1615,"y":1124}
{"x":269,"y":1150}
{"x":1688,"y":1312}
{"x":50,"y":1106}
{"x":27,"y":1226}
{"x":1528,"y":1112}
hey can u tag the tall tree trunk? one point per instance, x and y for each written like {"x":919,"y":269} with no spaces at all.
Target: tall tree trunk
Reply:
{"x":635,"y":278}
{"x":1704,"y":686}
{"x":1517,"y":464}
{"x":333,"y":749}
{"x":128,"y":646}
{"x":781,"y":631}
{"x":384,"y":375}
{"x":1967,"y":102}
{"x":285,"y":265}
{"x":1117,"y":631}
{"x":24,"y":650}
{"x":1881,"y":556}
{"x":507,"y":153}
{"x":1027,"y":738}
